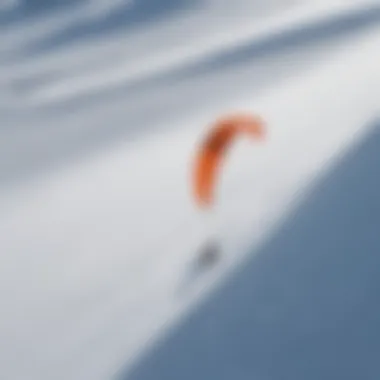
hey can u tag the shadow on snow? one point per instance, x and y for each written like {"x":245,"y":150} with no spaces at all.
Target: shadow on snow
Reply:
{"x":131,"y":14}
{"x":305,"y":36}
{"x":305,"y":305}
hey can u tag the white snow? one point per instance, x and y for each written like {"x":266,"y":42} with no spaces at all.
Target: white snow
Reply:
{"x":94,"y":253}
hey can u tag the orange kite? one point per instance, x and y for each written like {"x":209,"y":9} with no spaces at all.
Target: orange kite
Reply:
{"x":214,"y":148}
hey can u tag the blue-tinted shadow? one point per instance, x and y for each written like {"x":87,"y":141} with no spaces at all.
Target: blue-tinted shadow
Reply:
{"x":305,"y":305}
{"x":28,"y":9}
{"x":133,"y":14}
{"x":306,"y":36}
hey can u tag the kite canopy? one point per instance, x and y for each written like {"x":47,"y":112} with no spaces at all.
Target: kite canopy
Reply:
{"x":213,"y":150}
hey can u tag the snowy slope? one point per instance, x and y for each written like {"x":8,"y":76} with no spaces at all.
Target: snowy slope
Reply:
{"x":98,"y":228}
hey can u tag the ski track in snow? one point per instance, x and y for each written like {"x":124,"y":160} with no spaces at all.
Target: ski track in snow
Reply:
{"x":98,"y":230}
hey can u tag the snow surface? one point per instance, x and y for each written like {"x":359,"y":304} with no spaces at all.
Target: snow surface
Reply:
{"x":102,"y":104}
